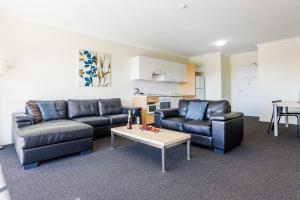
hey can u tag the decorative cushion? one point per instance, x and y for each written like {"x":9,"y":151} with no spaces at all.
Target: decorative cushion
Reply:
{"x":196,"y":110}
{"x":109,"y":106}
{"x":48,"y":111}
{"x":34,"y":111}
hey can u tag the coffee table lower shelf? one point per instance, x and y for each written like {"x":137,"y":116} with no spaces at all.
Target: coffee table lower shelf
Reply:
{"x":163,"y":148}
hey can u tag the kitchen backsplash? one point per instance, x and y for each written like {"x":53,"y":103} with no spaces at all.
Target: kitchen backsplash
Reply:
{"x":151,"y":87}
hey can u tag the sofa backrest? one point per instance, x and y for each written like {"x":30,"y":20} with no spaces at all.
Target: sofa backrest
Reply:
{"x":109,"y":106}
{"x":213,"y":107}
{"x":220,"y":106}
{"x":183,"y":107}
{"x":61,"y":107}
{"x":82,"y":107}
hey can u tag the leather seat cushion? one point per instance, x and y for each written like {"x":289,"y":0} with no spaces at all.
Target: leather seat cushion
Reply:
{"x":117,"y":119}
{"x":51,"y":132}
{"x":174,"y":123}
{"x":93,"y":120}
{"x":198,"y":127}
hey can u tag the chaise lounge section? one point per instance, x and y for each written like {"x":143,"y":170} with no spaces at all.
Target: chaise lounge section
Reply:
{"x":80,"y":121}
{"x":220,"y":129}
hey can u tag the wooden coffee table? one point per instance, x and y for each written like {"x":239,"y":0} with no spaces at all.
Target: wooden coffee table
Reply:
{"x":163,"y":140}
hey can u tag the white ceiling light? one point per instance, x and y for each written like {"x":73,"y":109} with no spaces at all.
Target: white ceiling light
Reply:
{"x":182,"y":6}
{"x":220,"y":43}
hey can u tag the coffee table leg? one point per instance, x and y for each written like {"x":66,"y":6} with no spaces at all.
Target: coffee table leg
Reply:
{"x":163,"y":160}
{"x":112,"y":140}
{"x":188,"y":150}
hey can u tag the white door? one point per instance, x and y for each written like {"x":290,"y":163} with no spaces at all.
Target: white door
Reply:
{"x":247,"y":90}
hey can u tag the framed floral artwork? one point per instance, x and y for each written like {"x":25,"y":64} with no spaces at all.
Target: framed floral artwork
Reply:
{"x":94,"y":69}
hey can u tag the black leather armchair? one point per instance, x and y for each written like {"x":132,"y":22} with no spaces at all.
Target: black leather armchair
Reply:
{"x":220,"y":129}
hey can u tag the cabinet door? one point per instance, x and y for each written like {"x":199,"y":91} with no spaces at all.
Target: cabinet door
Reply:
{"x":169,"y":73}
{"x":179,"y":74}
{"x":145,"y":68}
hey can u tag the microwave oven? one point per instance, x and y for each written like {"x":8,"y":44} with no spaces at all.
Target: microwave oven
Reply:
{"x":164,"y":102}
{"x":151,"y":108}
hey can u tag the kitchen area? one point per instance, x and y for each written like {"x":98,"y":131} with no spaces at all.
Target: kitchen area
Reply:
{"x":160,"y":84}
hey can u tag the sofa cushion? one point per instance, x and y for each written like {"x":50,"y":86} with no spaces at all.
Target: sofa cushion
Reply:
{"x":198,"y":127}
{"x":34,"y":111}
{"x":51,"y":132}
{"x":93,"y":121}
{"x":60,"y":105}
{"x":174,"y":123}
{"x":183,"y":107}
{"x":109,"y":106}
{"x":117,"y":119}
{"x":196,"y":110}
{"x":48,"y":111}
{"x":214,"y":107}
{"x":82,"y":108}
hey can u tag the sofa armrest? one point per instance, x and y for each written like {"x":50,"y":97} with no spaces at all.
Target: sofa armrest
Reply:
{"x":226,"y":116}
{"x":227,"y":131}
{"x":136,"y":112}
{"x":21,"y":119}
{"x":165,"y":113}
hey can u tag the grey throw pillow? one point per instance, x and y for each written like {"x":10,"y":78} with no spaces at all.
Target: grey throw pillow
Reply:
{"x":48,"y":111}
{"x":196,"y":110}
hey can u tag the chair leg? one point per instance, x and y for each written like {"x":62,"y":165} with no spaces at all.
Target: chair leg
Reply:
{"x":298,"y":126}
{"x":271,"y":123}
{"x":278,"y":119}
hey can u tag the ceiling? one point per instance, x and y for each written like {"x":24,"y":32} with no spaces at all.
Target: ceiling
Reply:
{"x":162,"y":25}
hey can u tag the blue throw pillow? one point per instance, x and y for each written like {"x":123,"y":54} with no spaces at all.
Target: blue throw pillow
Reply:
{"x":196,"y":110}
{"x":48,"y":111}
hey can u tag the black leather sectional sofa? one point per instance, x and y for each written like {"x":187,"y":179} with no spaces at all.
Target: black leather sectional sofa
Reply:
{"x":220,"y":129}
{"x":79,"y":122}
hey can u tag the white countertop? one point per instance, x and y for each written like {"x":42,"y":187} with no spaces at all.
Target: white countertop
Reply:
{"x":166,"y":95}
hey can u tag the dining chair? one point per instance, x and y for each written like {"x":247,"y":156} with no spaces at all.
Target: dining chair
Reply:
{"x":281,"y":113}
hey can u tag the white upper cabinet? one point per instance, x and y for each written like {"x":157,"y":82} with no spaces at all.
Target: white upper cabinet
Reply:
{"x":145,"y":68}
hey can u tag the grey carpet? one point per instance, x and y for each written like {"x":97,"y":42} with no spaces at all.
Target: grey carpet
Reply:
{"x":263,"y":167}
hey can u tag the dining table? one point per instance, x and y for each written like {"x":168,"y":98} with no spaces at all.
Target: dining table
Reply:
{"x":286,"y":105}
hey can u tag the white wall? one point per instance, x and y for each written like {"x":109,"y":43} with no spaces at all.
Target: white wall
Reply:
{"x":278,"y":73}
{"x":226,"y":77}
{"x":216,"y":70}
{"x":45,"y":64}
{"x":210,"y":65}
{"x":237,"y":60}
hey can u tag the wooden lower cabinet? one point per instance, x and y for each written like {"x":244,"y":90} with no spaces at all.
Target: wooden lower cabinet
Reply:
{"x":143,"y":102}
